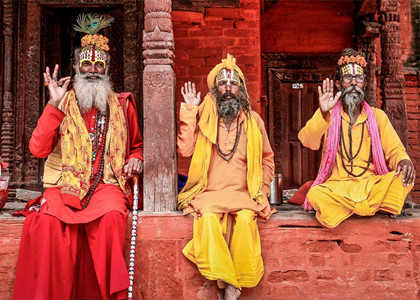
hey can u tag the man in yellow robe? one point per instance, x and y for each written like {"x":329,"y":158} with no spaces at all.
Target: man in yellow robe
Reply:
{"x":365,"y":168}
{"x":228,"y":182}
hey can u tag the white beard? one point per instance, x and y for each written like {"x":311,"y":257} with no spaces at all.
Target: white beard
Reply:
{"x":92,"y":92}
{"x":352,"y":100}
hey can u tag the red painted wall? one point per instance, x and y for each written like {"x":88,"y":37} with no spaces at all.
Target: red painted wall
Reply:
{"x":308,"y":26}
{"x":202,"y":40}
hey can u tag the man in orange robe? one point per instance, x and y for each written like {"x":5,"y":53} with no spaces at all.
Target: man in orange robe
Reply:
{"x":74,"y":235}
{"x":365,"y":168}
{"x":229,"y":178}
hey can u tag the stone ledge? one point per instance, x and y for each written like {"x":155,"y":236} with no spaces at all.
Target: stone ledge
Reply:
{"x":372,"y":257}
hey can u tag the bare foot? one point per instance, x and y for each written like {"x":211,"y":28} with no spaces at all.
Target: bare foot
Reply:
{"x":231,"y":292}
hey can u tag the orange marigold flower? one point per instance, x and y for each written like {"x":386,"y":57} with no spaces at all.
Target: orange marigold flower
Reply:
{"x":360,"y":60}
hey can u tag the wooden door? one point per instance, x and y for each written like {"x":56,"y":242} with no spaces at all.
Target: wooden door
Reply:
{"x":292,"y":104}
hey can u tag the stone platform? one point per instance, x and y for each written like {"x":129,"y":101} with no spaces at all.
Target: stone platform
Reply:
{"x":364,"y":258}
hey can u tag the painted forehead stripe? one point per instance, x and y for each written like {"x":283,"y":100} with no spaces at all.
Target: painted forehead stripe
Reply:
{"x":352,"y":69}
{"x":93,"y":55}
{"x":227,"y":75}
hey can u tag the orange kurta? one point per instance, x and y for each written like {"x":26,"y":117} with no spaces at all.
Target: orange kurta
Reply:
{"x":342,"y":195}
{"x":227,"y":181}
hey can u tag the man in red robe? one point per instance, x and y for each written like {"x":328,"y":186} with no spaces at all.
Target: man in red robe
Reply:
{"x":73,"y":239}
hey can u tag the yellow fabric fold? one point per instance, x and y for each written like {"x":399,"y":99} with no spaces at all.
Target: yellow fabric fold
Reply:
{"x":207,"y":136}
{"x":76,"y":147}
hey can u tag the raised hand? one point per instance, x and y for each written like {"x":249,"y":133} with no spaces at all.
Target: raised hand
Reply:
{"x":189,"y":93}
{"x":327,"y":100}
{"x":57,"y":88}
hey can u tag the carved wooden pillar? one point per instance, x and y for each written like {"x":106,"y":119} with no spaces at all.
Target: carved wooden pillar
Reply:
{"x":160,"y":180}
{"x":368,"y":32}
{"x":7,"y":131}
{"x":392,"y":77}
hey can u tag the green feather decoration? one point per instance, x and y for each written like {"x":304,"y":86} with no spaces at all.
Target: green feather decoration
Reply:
{"x":92,"y":23}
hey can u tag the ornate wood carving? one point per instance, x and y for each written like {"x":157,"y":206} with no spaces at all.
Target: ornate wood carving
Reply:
{"x":367,"y":33}
{"x":392,"y":77}
{"x":32,"y":83}
{"x":7,"y":132}
{"x":132,"y":57}
{"x":160,"y":189}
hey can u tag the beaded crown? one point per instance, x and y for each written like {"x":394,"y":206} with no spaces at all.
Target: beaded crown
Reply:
{"x":94,"y":46}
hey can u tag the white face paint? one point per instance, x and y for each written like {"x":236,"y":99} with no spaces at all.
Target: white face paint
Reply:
{"x":228,"y":77}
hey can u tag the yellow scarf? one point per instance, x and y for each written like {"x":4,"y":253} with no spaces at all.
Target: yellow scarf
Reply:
{"x":207,"y":135}
{"x":76,"y":148}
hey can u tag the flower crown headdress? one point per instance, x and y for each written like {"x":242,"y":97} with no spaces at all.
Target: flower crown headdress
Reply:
{"x":94,"y":45}
{"x":345,"y":60}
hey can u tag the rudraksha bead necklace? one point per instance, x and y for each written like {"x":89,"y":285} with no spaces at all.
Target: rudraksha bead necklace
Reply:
{"x":228,"y":156}
{"x":350,"y":156}
{"x":100,"y":147}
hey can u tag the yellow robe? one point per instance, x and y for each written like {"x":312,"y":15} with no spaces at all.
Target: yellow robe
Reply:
{"x":226,"y":243}
{"x":343,"y":195}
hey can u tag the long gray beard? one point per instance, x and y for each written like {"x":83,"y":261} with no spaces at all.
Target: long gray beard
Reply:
{"x":92,"y":92}
{"x":352,"y":100}
{"x":228,"y":109}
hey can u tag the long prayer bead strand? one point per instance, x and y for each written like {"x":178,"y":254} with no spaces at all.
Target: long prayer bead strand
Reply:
{"x":100,"y":172}
{"x":133,"y":237}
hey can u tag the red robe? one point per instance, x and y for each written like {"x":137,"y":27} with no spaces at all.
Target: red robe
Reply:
{"x":75,"y":254}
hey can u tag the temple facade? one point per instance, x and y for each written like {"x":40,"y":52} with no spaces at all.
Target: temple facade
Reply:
{"x":285,"y":48}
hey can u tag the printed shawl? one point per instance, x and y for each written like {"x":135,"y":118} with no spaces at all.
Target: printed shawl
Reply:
{"x":333,"y":140}
{"x":76,"y":149}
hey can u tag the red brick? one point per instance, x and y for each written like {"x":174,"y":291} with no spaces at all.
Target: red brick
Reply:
{"x":187,"y":43}
{"x":291,"y":275}
{"x":363,"y":275}
{"x":183,"y":16}
{"x":219,"y":23}
{"x":383,"y":275}
{"x":350,"y":248}
{"x":326,"y":275}
{"x":317,"y":261}
{"x":240,"y":32}
{"x":224,"y":13}
{"x":242,"y":24}
{"x":321,"y":246}
{"x":205,"y":52}
{"x":200,"y":32}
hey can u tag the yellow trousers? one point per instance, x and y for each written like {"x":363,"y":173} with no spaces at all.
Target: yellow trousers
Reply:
{"x":333,"y":206}
{"x":226,"y":247}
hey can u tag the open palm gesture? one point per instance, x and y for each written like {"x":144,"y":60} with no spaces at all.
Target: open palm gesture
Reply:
{"x":189,"y":93}
{"x":327,"y":100}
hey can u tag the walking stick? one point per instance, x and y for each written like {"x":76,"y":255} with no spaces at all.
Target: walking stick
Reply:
{"x":133,"y":235}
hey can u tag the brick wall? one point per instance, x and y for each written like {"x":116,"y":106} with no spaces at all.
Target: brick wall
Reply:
{"x":202,"y":39}
{"x":412,"y":90}
{"x":308,"y":26}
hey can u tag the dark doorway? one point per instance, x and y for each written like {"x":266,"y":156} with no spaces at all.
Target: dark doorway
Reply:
{"x":293,"y":82}
{"x":59,"y":41}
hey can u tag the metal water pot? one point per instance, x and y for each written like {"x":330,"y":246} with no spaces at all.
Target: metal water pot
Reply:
{"x":276,"y":190}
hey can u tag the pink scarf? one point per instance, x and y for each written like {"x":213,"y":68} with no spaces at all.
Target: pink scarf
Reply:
{"x":333,"y":139}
